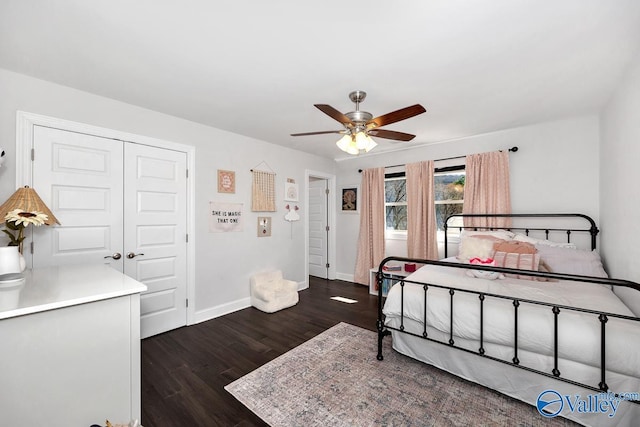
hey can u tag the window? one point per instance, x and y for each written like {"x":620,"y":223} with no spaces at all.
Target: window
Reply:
{"x":449,"y":193}
{"x":449,"y":197}
{"x":395,"y":202}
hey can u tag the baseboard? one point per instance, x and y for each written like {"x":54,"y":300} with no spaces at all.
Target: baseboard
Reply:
{"x":221,"y":310}
{"x":230,"y":307}
{"x":345,"y":277}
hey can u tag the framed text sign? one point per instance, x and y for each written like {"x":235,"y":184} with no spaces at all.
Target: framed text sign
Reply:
{"x":225,"y":217}
{"x":226,"y":181}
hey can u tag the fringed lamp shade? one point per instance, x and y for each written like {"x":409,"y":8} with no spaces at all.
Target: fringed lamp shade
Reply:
{"x":27,"y":199}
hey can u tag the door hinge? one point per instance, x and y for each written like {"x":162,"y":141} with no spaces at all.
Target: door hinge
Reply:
{"x":33,"y":154}
{"x":327,"y":228}
{"x":327,"y":265}
{"x":326,"y":191}
{"x":187,"y":302}
{"x":187,"y":172}
{"x":31,"y":248}
{"x":187,"y":238}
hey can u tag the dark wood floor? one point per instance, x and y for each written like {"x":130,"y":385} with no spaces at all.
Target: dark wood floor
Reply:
{"x":184,"y":371}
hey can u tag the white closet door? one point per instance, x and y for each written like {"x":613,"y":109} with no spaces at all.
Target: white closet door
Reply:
{"x":79,"y":177}
{"x":155,"y":233}
{"x":114,"y":198}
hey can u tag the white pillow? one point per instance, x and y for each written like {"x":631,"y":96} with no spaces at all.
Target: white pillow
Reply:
{"x":532,"y":240}
{"x":476,"y":247}
{"x":572,"y":261}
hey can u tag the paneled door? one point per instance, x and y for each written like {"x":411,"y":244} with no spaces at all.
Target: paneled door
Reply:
{"x":318,"y":232}
{"x":154,"y":233}
{"x":80,"y":177}
{"x":120,"y":203}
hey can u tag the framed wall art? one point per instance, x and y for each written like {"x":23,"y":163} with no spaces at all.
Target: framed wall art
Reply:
{"x":290,"y":191}
{"x":349,"y":199}
{"x":264,"y":226}
{"x":225,"y":217}
{"x":226,"y":181}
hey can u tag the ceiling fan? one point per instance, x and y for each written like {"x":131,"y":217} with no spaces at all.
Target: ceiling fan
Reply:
{"x":360,"y":126}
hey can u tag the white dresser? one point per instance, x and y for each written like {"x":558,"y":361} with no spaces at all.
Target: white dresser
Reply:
{"x":70,"y":349}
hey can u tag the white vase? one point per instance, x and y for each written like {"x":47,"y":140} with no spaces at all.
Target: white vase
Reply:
{"x":10,"y":260}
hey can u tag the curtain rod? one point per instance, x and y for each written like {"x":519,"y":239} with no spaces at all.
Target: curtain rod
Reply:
{"x":512,"y":150}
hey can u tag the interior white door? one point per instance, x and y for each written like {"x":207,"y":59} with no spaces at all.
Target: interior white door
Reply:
{"x":318,"y":233}
{"x":80,"y":178}
{"x":155,"y":234}
{"x":115,"y":198}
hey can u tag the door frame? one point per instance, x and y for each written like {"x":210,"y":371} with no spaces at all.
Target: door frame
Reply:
{"x":25,"y":123}
{"x":331,"y":219}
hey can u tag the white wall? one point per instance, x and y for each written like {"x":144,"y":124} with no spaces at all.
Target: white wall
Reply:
{"x":620,"y":177}
{"x":554,"y":170}
{"x":224,"y":262}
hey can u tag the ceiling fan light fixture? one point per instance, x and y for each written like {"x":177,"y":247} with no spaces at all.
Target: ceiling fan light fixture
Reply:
{"x":355,"y":144}
{"x":352,"y":149}
{"x":357,"y":125}
{"x":347,"y":144}
{"x":361,"y":140}
{"x":370,"y":145}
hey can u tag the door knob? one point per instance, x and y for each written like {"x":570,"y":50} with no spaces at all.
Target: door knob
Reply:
{"x":116,"y":255}
{"x":131,"y":255}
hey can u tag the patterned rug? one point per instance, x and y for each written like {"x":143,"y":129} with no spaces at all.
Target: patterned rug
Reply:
{"x":334,"y":379}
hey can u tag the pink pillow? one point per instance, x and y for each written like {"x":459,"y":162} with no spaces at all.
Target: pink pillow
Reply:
{"x":515,"y":247}
{"x":519,"y":261}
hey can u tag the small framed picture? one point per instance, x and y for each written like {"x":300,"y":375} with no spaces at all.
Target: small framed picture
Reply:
{"x":290,"y":192}
{"x":226,"y":181}
{"x":349,"y":201}
{"x":264,"y":226}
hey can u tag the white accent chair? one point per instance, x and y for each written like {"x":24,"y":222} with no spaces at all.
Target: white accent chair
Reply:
{"x":270,"y":292}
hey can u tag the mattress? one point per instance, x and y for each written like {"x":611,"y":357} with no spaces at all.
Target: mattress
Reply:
{"x":579,"y":332}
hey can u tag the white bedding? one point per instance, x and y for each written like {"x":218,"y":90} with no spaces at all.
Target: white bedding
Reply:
{"x":519,"y":383}
{"x":579,"y":333}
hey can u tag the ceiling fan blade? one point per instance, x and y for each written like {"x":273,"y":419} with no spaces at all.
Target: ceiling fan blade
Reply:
{"x":317,"y":133}
{"x":396,"y":116}
{"x":333,"y":113}
{"x":391,"y":134}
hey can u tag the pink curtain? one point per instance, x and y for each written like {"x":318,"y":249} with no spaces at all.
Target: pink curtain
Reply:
{"x":421,"y":216}
{"x":486,"y":189}
{"x":371,"y":237}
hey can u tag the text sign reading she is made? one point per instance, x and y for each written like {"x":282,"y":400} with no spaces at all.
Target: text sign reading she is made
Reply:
{"x":225,"y":217}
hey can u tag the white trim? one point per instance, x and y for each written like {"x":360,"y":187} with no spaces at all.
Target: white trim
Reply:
{"x":346,"y":277}
{"x":395,"y":235}
{"x":221,"y":310}
{"x":331,"y":208}
{"x":231,"y":307}
{"x":24,"y":175}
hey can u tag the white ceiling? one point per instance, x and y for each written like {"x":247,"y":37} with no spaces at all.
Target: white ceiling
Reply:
{"x":256,"y":67}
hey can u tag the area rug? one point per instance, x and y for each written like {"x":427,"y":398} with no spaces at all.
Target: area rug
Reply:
{"x":334,"y":379}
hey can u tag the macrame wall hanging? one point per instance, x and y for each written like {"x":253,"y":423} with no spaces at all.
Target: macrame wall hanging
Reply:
{"x":263,"y":193}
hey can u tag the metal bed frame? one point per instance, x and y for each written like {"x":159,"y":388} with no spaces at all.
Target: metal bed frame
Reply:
{"x":603,"y":317}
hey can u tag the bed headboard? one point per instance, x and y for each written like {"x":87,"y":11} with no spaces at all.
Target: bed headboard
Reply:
{"x":546,"y":224}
